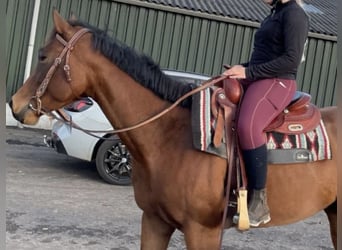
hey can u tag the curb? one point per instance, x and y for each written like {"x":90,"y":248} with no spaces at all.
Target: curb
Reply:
{"x":43,"y":123}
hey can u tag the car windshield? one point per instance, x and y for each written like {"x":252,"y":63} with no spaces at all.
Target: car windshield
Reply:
{"x":191,"y":78}
{"x":188,"y":80}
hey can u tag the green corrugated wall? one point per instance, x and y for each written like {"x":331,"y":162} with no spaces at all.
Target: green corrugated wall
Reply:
{"x":176,"y":39}
{"x":18,"y":25}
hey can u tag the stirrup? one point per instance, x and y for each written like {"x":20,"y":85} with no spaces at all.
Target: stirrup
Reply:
{"x":243,"y":222}
{"x":241,"y":217}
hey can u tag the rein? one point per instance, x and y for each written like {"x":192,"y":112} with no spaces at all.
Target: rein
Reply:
{"x":66,"y":118}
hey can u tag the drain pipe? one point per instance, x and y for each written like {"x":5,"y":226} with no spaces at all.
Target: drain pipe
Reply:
{"x":32,"y":39}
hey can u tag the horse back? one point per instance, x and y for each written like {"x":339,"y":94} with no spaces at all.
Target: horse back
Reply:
{"x":298,"y":191}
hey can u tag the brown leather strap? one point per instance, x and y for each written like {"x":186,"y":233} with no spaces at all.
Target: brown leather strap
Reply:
{"x":229,"y":112}
{"x":219,"y":129}
{"x":68,"y":47}
{"x":241,"y":165}
{"x":242,"y":169}
{"x":217,"y":113}
{"x":211,"y":82}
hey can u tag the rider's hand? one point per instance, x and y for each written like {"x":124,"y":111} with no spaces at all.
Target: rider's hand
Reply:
{"x":236,"y":71}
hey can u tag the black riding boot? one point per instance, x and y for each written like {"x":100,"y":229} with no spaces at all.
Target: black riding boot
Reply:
{"x":256,"y":169}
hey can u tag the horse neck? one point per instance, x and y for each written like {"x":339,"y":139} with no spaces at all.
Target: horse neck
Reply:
{"x":125,"y":103}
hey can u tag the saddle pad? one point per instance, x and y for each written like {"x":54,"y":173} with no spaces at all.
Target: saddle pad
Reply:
{"x":315,"y":141}
{"x":203,"y":124}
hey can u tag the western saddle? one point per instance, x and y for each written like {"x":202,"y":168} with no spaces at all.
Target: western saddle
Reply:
{"x":299,"y":116}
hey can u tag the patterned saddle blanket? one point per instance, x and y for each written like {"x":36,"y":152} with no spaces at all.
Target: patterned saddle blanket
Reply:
{"x":282,"y":147}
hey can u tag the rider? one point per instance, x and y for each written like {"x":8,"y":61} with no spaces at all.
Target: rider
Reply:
{"x":269,"y":81}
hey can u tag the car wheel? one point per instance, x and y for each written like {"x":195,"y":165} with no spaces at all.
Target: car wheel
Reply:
{"x":113,"y":162}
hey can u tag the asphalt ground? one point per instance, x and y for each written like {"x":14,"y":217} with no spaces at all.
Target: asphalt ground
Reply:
{"x":56,"y":202}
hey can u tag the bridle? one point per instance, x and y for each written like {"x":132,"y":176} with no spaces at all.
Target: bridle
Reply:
{"x":62,"y":116}
{"x":68,"y":47}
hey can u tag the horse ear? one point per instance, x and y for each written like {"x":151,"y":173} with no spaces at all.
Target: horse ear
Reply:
{"x":62,"y":26}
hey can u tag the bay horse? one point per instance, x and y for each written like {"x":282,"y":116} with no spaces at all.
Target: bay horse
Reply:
{"x":176,"y":186}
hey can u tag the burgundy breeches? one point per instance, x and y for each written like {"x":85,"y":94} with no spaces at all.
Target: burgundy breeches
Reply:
{"x":263,"y":100}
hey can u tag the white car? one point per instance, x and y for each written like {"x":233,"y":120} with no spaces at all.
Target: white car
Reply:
{"x":113,"y":161}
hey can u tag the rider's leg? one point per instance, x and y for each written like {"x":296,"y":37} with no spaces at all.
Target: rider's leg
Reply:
{"x":262,"y":102}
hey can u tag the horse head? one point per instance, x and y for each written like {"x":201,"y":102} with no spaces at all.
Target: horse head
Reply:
{"x":60,"y":76}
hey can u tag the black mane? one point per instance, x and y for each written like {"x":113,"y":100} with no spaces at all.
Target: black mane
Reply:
{"x":139,"y":66}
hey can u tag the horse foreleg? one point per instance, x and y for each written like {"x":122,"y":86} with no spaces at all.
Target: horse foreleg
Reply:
{"x":198,"y":237}
{"x":155,"y":233}
{"x":331,"y":212}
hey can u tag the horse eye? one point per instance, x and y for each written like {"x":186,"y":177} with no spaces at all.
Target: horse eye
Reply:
{"x":41,"y":56}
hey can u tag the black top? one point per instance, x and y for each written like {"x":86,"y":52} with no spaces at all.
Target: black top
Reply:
{"x":279,"y":43}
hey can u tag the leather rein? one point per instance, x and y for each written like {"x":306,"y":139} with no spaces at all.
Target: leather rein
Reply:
{"x":62,"y":116}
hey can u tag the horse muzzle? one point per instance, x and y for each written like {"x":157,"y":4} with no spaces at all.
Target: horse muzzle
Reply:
{"x":23,"y":114}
